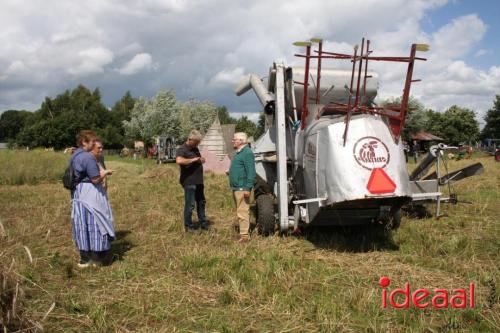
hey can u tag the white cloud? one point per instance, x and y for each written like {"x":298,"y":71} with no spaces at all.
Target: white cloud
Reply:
{"x":130,"y":48}
{"x":92,"y":61}
{"x":17,"y":66}
{"x":253,"y":116}
{"x":139,"y":63}
{"x":481,"y":52}
{"x":458,"y":37}
{"x":204,"y":47}
{"x":446,"y":78}
{"x":227,"y":77}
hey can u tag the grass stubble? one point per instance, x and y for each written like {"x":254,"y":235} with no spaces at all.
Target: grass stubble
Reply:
{"x":164,"y":280}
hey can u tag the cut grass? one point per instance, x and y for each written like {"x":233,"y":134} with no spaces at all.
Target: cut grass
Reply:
{"x":166,"y":281}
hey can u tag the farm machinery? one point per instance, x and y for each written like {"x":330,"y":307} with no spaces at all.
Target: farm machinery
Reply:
{"x":165,"y":149}
{"x":330,"y":155}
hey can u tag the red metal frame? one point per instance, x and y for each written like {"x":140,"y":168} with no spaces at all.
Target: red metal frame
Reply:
{"x":305,"y":96}
{"x":396,"y":114}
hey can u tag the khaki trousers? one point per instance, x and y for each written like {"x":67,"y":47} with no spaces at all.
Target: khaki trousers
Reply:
{"x":242,"y":211}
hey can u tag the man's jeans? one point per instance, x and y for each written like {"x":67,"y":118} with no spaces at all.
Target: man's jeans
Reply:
{"x":192,"y":194}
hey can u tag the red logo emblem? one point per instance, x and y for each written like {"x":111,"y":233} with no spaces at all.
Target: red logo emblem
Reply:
{"x":371,"y":153}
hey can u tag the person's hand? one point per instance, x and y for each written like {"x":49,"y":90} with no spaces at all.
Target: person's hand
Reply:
{"x":104,"y":172}
{"x":202,"y":160}
{"x":227,"y":172}
{"x":246,"y":194}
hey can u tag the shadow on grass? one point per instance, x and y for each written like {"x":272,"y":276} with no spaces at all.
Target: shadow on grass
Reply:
{"x":119,"y":246}
{"x":351,"y":239}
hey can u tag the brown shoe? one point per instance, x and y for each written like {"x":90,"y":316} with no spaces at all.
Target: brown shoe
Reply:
{"x":241,"y":240}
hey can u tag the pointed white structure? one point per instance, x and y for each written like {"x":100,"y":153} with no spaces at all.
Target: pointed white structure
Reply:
{"x":213,"y":141}
{"x":218,"y":139}
{"x":216,"y":147}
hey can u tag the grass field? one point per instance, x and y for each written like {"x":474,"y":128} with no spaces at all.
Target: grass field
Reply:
{"x":163,"y":280}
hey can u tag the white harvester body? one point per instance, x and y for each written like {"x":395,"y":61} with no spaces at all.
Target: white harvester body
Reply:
{"x":332,"y":159}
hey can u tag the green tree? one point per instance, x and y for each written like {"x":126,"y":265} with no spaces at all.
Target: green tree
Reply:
{"x":157,"y":116}
{"x":12,"y":122}
{"x":491,"y":129}
{"x":261,"y":125}
{"x":244,"y":124}
{"x":122,"y":109}
{"x":415,"y":118}
{"x":224,"y":116}
{"x":456,"y":125}
{"x":58,"y":120}
{"x":113,"y":134}
{"x":196,"y":115}
{"x":434,"y":122}
{"x":164,"y":115}
{"x":111,"y":137}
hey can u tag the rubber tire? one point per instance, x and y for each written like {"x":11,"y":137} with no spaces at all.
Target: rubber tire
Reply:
{"x":266,"y":220}
{"x":395,"y":220}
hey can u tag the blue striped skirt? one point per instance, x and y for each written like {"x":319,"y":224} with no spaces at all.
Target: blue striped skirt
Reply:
{"x":86,"y":232}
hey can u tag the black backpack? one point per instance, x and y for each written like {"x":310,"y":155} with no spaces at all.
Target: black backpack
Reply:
{"x":69,"y":178}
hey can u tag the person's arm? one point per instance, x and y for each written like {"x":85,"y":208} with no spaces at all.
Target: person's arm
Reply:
{"x":186,"y":161}
{"x":92,"y":170}
{"x":249,"y":164}
{"x":102,"y":175}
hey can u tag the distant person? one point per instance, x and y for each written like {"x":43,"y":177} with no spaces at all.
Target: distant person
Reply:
{"x":97,"y":151}
{"x":470,"y":151}
{"x":414,"y":150}
{"x":241,"y":179}
{"x":124,"y":152}
{"x":190,"y":161}
{"x":406,"y":150}
{"x":91,"y":215}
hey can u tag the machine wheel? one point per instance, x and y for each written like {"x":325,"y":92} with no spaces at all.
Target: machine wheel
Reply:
{"x":265,"y":215}
{"x":395,"y":220}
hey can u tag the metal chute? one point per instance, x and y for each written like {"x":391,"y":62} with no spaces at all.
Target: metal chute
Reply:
{"x":253,"y":81}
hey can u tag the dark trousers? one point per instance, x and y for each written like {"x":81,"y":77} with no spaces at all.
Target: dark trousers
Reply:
{"x":194,"y":194}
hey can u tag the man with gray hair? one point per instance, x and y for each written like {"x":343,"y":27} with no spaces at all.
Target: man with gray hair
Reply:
{"x":189,"y":159}
{"x":241,"y":178}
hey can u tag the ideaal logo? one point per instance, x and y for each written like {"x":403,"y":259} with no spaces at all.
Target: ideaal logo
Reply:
{"x":371,"y":153}
{"x":422,"y":298}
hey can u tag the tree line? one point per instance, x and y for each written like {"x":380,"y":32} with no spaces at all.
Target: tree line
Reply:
{"x":455,"y":125}
{"x":58,"y":119}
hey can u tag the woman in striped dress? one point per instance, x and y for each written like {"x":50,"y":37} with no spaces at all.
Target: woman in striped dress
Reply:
{"x":91,"y":215}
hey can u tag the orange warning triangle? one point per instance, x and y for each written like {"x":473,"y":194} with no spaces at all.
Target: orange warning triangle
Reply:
{"x":380,"y":182}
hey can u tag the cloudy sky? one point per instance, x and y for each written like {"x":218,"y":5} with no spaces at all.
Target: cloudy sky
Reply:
{"x":201,"y":49}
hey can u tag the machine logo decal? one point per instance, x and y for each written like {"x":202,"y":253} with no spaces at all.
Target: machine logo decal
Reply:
{"x":371,"y":153}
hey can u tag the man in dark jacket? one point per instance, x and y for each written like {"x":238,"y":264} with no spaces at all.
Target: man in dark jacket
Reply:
{"x":189,"y":159}
{"x":241,"y":179}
